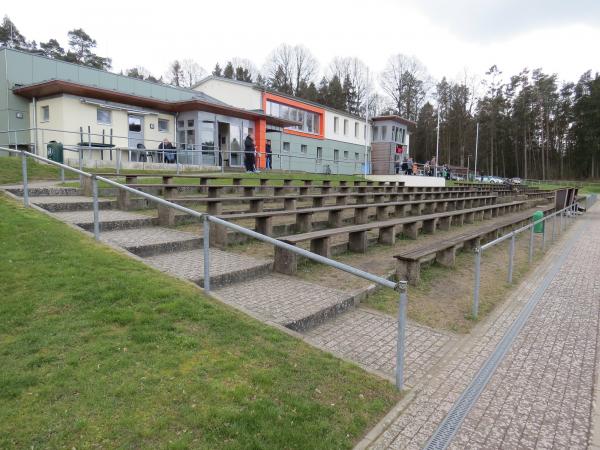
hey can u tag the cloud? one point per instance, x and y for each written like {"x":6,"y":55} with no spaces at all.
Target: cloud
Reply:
{"x":489,"y":20}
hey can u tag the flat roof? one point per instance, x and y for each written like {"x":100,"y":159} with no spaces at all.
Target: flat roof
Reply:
{"x":55,"y":87}
{"x":394,"y":118}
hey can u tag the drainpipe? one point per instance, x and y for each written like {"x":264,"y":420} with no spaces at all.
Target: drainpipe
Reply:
{"x":35,"y":126}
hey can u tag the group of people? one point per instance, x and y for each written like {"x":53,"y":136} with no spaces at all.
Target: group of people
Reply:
{"x":250,"y":154}
{"x":408,"y":167}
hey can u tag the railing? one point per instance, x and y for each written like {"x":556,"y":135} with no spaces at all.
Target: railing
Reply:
{"x":569,"y":212}
{"x":400,"y":286}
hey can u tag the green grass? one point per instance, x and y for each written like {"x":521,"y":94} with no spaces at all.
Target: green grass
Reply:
{"x":98,"y":350}
{"x":11,"y":171}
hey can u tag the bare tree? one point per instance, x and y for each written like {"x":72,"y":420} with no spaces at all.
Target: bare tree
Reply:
{"x":406,"y":81}
{"x":289,"y":68}
{"x":174,"y":74}
{"x":358,"y":73}
{"x":246,"y":65}
{"x":191,"y":73}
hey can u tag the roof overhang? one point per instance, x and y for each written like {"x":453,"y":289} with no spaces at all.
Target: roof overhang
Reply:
{"x":394,"y":118}
{"x":56,"y":87}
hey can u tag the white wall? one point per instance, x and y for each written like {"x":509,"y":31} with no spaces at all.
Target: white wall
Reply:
{"x":340,"y":136}
{"x":234,"y":94}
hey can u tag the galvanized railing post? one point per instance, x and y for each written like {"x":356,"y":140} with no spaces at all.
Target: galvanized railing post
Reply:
{"x":475,"y":311}
{"x":25,"y":181}
{"x":96,"y":209}
{"x":553,"y":228}
{"x":401,"y":338}
{"x":62,"y":175}
{"x":118,"y":161}
{"x":511,"y":257}
{"x":531,"y":238}
{"x":544,"y":236}
{"x":206,"y":245}
{"x":177,"y":160}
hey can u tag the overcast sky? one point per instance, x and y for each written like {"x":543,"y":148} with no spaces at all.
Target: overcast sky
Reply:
{"x":447,"y":36}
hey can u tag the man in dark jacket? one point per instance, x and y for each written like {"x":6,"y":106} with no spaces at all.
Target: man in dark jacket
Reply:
{"x":249,"y":150}
{"x":168,"y":157}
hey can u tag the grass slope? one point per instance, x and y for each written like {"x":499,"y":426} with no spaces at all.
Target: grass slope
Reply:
{"x":11,"y":171}
{"x":98,"y":350}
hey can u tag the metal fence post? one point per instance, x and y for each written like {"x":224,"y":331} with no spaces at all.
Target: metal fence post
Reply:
{"x":531,"y":238}
{"x":118,"y":161}
{"x":401,"y":338}
{"x":544,"y":235}
{"x":553,"y":228}
{"x":511,"y":257}
{"x":475,"y":311}
{"x":206,"y":245}
{"x":96,"y":212}
{"x":25,"y":181}
{"x":177,"y":160}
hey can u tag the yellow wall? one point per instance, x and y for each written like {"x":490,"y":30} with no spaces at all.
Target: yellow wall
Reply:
{"x":69,"y":113}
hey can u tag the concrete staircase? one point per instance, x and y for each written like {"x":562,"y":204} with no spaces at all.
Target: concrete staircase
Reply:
{"x":328,"y":318}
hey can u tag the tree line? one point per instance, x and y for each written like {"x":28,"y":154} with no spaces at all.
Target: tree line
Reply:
{"x":529,"y":124}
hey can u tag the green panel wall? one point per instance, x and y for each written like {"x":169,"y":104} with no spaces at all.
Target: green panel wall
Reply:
{"x":295,"y":159}
{"x":43,"y":69}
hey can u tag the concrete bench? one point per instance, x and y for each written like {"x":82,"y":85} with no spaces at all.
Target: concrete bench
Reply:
{"x":263,"y":221}
{"x":409,"y":263}
{"x":320,"y":241}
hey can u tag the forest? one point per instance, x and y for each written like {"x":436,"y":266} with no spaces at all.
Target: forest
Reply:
{"x":530,"y":124}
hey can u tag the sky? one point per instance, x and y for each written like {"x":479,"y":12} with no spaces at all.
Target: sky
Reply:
{"x":451,"y":38}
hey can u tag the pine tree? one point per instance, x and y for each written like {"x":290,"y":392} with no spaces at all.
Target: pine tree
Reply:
{"x":350,"y":96}
{"x":217,"y":72}
{"x":336,"y":98}
{"x":229,"y":72}
{"x":323,"y":91}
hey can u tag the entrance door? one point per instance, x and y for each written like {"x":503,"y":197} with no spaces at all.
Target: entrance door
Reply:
{"x":136,"y":136}
{"x":224,"y":144}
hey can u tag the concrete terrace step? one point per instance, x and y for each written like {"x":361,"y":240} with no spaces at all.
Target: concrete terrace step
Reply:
{"x":54,"y":203}
{"x":288,"y":301}
{"x":369,"y":338}
{"x":42,"y":191}
{"x":225,"y":268}
{"x":109,"y":219}
{"x":151,"y":241}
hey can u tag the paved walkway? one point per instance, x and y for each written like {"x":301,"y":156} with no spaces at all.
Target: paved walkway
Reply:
{"x":540,"y":396}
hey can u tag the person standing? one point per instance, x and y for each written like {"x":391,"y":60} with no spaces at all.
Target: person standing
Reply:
{"x":409,"y":170}
{"x":268,"y":161}
{"x":249,"y":151}
{"x":167,"y":157}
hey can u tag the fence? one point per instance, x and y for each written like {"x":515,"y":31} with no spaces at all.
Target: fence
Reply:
{"x":565,"y":214}
{"x":400,"y":286}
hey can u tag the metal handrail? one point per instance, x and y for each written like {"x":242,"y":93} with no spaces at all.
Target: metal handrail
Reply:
{"x":400,"y":286}
{"x":572,"y":208}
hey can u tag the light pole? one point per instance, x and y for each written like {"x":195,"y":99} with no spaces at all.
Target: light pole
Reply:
{"x":437,"y":144}
{"x":476,"y":145}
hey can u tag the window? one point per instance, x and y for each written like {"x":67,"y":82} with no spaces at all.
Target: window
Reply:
{"x":319,"y":154}
{"x":336,"y":155}
{"x":356,"y":129}
{"x":191,"y":123}
{"x":45,"y":113}
{"x":309,"y":121}
{"x":346,"y":154}
{"x":336,"y":124}
{"x":103,"y":116}
{"x":375,"y":133}
{"x":180,"y":124}
{"x":345,"y":127}
{"x":286,"y":146}
{"x":303,"y":148}
{"x":163,"y":125}
{"x":135,"y":124}
{"x":383,"y":132}
{"x":357,"y":156}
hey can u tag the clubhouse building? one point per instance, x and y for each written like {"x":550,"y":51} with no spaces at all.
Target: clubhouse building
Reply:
{"x":44,"y":100}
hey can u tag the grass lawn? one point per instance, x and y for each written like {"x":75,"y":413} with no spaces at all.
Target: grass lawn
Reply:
{"x":11,"y":172}
{"x":98,"y":350}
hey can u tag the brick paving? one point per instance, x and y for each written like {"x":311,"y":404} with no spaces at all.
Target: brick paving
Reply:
{"x":44,"y":199}
{"x":146,"y":236}
{"x":190,"y":264}
{"x":369,"y":338}
{"x":281,"y":299}
{"x":108,"y":215}
{"x":541,"y":394}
